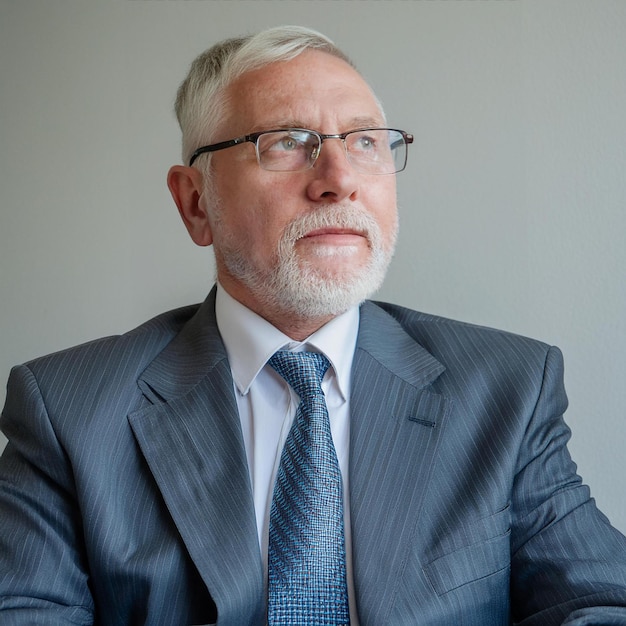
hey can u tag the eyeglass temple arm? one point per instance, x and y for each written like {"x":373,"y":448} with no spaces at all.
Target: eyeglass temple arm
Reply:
{"x":219,"y":146}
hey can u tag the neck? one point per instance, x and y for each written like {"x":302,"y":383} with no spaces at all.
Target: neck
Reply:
{"x":294,"y":328}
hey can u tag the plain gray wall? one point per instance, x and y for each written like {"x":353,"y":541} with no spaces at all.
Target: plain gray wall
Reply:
{"x":512,"y":208}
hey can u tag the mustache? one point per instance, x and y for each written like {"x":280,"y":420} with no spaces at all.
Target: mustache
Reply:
{"x":332,"y":216}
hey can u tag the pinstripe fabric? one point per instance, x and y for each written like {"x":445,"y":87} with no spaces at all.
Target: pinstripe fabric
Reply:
{"x":479,"y":481}
{"x":125,"y":496}
{"x":138,"y":486}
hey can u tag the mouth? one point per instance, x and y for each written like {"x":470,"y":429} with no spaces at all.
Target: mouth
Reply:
{"x":334,"y":236}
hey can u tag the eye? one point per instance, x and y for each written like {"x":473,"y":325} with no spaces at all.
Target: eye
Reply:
{"x":286,"y":150}
{"x":365,"y":143}
{"x":286,"y":143}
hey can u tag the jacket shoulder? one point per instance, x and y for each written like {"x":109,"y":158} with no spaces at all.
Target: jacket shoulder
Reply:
{"x":446,"y":338}
{"x":134,"y":348}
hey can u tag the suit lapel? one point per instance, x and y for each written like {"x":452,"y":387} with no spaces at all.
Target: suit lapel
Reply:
{"x":396,"y":424}
{"x":191,"y":439}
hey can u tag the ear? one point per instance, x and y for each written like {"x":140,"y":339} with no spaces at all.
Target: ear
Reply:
{"x":186,"y":185}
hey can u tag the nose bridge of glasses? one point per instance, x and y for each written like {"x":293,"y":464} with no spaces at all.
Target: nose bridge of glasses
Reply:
{"x":323,"y":138}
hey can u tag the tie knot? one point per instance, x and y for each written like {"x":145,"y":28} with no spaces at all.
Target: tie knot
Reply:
{"x":303,"y":371}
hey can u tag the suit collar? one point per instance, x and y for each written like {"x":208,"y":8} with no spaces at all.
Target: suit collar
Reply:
{"x":190,"y":356}
{"x":199,"y":347}
{"x":388,"y":343}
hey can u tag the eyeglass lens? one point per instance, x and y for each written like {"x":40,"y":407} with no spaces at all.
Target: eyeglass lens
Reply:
{"x":379,"y":151}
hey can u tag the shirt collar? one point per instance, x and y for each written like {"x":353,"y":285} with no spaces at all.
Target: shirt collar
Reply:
{"x":251,"y":340}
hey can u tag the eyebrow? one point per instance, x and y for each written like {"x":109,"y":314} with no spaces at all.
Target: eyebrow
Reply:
{"x":354,"y":123}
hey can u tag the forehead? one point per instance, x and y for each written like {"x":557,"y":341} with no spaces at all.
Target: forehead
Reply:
{"x":312,"y":90}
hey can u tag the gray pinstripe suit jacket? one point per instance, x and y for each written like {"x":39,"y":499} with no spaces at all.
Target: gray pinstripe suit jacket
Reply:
{"x":125,"y":496}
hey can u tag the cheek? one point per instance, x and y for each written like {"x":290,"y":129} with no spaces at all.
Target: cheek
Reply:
{"x":253,"y":229}
{"x":269,"y":214}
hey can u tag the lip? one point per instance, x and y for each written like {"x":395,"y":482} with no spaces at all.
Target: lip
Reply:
{"x":336,"y":236}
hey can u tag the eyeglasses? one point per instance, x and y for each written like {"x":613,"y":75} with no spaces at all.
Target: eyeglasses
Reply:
{"x":369,"y":150}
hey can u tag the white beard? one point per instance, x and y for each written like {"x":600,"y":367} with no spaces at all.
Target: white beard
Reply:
{"x":295,"y":286}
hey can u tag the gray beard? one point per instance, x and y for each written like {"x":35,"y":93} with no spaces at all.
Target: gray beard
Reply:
{"x":295,"y":286}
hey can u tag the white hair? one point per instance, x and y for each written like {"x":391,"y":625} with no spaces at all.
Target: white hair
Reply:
{"x":200,"y":101}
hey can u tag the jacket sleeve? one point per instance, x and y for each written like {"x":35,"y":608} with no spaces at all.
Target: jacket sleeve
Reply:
{"x":43,"y":570}
{"x":568,"y":564}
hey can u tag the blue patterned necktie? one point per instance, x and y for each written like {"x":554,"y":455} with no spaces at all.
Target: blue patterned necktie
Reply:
{"x":307,"y":557}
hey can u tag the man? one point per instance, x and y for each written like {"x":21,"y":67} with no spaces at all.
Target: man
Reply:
{"x":147,"y":479}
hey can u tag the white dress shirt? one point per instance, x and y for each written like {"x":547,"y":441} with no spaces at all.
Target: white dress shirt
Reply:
{"x":267,"y":404}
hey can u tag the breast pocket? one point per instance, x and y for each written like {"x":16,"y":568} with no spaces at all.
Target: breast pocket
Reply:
{"x":485,"y":551}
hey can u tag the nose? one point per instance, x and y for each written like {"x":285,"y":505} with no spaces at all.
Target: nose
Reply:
{"x":333,"y":179}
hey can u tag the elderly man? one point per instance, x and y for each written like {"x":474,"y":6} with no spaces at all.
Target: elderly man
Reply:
{"x":288,"y":452}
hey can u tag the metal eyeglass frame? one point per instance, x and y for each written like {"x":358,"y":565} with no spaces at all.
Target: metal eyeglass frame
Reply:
{"x":254,"y":137}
